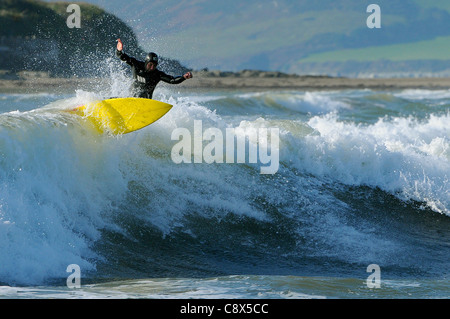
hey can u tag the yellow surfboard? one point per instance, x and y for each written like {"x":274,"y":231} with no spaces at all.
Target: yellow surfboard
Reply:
{"x":122,"y":115}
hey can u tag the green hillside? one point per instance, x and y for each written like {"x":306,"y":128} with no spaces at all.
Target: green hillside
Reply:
{"x":269,"y":34}
{"x":436,"y":49}
{"x":35,"y":36}
{"x":281,"y":35}
{"x":278,"y":35}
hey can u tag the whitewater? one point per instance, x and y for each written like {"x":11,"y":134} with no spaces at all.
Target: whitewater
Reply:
{"x":363,"y":179}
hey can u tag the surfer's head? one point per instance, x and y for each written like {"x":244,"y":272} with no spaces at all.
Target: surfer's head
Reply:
{"x":151,"y":61}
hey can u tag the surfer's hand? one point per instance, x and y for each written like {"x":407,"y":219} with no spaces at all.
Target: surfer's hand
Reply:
{"x":119,"y":45}
{"x":188,"y":75}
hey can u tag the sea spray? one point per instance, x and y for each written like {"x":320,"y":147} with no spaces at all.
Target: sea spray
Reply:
{"x":354,"y":188}
{"x":403,"y":156}
{"x":53,"y":195}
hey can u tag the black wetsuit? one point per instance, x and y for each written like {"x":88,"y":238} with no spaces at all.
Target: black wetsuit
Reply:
{"x":146,"y":81}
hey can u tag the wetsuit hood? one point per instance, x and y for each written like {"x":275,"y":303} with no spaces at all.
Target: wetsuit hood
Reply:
{"x":151,"y":57}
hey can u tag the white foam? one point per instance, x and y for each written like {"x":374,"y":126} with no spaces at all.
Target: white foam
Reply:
{"x":421,"y":94}
{"x":59,"y":185}
{"x":309,"y":102}
{"x":403,"y":156}
{"x":203,"y":180}
{"x":56,"y":182}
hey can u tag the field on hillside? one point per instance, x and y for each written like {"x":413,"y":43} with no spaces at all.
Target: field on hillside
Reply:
{"x":437,"y":49}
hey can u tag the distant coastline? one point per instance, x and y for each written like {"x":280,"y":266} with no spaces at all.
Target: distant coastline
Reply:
{"x":250,"y":79}
{"x":33,"y":82}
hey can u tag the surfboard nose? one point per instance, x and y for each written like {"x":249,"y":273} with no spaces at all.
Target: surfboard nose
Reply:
{"x":123,"y":115}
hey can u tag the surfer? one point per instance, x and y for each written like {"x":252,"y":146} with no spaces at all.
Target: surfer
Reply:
{"x":145,"y":73}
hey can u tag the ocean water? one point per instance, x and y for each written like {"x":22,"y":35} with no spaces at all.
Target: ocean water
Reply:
{"x":363,"y":179}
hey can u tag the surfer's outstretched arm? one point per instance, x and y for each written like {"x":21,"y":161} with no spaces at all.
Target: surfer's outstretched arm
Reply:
{"x":123,"y":56}
{"x":175,"y":80}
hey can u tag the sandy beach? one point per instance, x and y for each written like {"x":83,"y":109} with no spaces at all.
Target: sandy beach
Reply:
{"x":313,"y":83}
{"x":241,"y":80}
